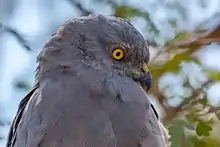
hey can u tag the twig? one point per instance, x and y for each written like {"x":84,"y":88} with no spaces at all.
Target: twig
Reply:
{"x":161,"y":50}
{"x":187,"y":100}
{"x":3,"y":123}
{"x":1,"y":137}
{"x":144,"y":14}
{"x":20,"y":39}
{"x":79,"y":6}
{"x":194,"y":94}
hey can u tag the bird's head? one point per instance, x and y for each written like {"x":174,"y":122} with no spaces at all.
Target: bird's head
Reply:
{"x":110,"y":41}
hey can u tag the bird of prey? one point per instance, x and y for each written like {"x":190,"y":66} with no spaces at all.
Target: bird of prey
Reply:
{"x":90,"y":90}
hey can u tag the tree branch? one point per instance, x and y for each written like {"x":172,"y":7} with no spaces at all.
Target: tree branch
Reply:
{"x":79,"y":6}
{"x":172,"y":112}
{"x":20,"y":39}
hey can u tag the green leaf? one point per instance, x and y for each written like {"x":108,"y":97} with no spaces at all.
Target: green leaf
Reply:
{"x":171,"y":65}
{"x":173,"y":23}
{"x":203,"y":129}
{"x":181,"y":36}
{"x":176,"y":131}
{"x":127,"y":11}
{"x":213,"y":74}
{"x":203,"y":101}
{"x":203,"y":141}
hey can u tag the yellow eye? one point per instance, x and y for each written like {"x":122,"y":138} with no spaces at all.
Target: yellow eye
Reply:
{"x":118,"y":54}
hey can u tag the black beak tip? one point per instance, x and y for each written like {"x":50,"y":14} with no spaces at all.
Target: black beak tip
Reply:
{"x":146,"y":80}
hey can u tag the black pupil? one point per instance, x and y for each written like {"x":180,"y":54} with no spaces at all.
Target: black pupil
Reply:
{"x":118,"y":54}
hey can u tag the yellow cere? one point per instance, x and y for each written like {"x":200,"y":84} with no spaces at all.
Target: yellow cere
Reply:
{"x":118,"y":54}
{"x":144,"y":67}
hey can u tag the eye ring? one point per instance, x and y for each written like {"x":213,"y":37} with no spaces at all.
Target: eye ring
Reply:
{"x":118,"y":53}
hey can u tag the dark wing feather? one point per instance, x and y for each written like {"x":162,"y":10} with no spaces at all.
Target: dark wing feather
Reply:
{"x":12,"y":131}
{"x":155,"y":112}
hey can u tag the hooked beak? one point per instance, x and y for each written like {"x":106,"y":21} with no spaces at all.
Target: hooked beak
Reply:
{"x":143,"y":76}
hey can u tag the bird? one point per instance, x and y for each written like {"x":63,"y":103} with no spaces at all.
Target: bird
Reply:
{"x":90,"y":89}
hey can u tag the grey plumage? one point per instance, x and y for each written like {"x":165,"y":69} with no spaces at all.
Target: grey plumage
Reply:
{"x":84,"y":98}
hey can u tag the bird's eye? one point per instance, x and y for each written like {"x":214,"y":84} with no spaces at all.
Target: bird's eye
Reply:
{"x":118,"y":53}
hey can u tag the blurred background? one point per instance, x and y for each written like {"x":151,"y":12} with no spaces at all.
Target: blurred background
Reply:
{"x":184,"y":39}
